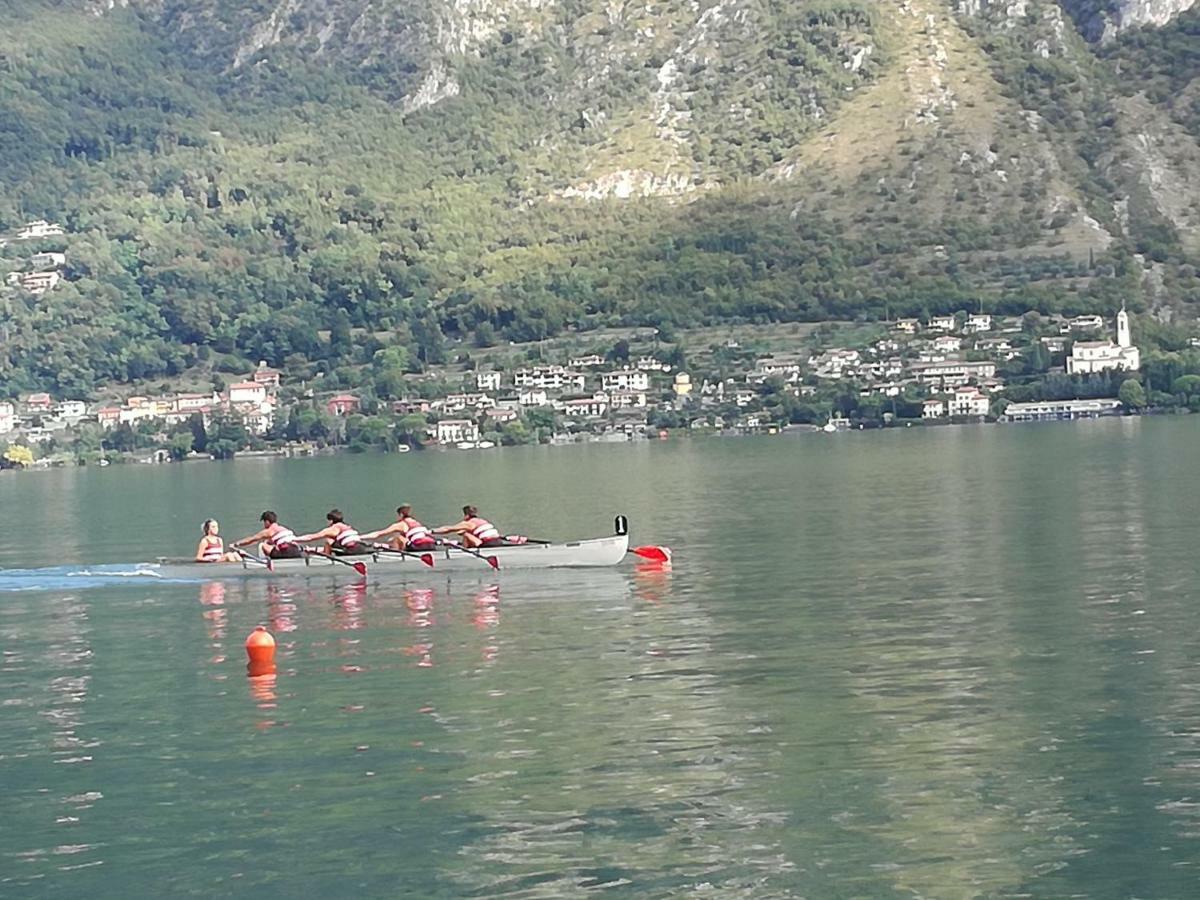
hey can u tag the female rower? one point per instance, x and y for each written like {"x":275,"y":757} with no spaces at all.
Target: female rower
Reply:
{"x":340,"y":539}
{"x":212,"y":548}
{"x":276,"y":541}
{"x":475,"y":530}
{"x":406,"y":532}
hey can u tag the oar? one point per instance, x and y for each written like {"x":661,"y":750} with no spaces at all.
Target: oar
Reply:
{"x":426,"y":558}
{"x":259,"y":560}
{"x":359,"y":567}
{"x":490,"y":560}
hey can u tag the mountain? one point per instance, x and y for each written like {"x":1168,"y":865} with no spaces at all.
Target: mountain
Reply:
{"x":331,"y":183}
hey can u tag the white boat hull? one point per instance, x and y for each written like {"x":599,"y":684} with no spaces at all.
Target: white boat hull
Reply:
{"x":602,"y":552}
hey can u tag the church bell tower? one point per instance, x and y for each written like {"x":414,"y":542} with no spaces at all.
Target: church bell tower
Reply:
{"x":1123,"y":337}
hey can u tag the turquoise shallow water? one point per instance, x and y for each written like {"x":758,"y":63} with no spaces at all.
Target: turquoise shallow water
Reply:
{"x":939,"y":662}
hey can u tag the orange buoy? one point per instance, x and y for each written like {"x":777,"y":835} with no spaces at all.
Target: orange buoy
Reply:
{"x":260,"y":646}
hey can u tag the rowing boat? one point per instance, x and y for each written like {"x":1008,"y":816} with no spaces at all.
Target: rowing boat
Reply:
{"x":599,"y":552}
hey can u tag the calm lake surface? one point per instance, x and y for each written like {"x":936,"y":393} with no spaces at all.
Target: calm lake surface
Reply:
{"x":941,"y":662}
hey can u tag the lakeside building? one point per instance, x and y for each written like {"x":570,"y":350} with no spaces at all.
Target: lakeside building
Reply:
{"x":933,"y":409}
{"x":970,"y":402}
{"x":1047,"y":410}
{"x":456,"y":431}
{"x":1088,"y":357}
{"x":8,"y":417}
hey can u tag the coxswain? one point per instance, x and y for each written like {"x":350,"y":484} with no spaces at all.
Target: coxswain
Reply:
{"x":275,"y":541}
{"x":475,"y":530}
{"x":340,"y":539}
{"x":406,"y":533}
{"x":212,"y":548}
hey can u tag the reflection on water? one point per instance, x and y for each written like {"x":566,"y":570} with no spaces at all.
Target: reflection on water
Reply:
{"x":951,"y":685}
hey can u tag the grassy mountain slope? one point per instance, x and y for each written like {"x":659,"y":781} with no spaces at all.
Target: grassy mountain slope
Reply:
{"x":240,"y":177}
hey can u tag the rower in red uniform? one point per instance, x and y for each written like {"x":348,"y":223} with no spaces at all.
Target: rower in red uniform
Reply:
{"x":276,"y":541}
{"x":340,"y":539}
{"x":475,"y":530}
{"x":212,"y":548}
{"x":406,"y":533}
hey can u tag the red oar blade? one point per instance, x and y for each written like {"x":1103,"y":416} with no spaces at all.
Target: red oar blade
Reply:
{"x":650,"y":551}
{"x":427,"y":558}
{"x":361,"y":569}
{"x":493,"y":562}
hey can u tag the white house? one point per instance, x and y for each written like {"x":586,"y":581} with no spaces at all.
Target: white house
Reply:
{"x":952,"y":372}
{"x":48,"y":260}
{"x":943,"y":323}
{"x":947,"y":343}
{"x":487,"y":381}
{"x":1102,"y":356}
{"x":39,"y":282}
{"x":907,"y":326}
{"x":591,"y":361}
{"x":933,"y":409}
{"x":501,"y":415}
{"x":247,"y":392}
{"x":586,"y":407}
{"x":968,"y":401}
{"x":627,"y":399}
{"x":549,"y":378}
{"x":71,"y":409}
{"x":650,"y":364}
{"x":460,"y":402}
{"x":8,"y":417}
{"x":39,"y":228}
{"x":625,"y":380}
{"x":533,"y":397}
{"x":1086,"y":323}
{"x":454,"y":431}
{"x":190,"y":402}
{"x":979,"y":322}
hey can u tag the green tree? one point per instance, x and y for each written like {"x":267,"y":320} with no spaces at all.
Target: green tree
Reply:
{"x":1132,"y":395}
{"x":180,"y":445}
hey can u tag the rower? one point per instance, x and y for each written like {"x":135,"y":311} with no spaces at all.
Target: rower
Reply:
{"x":406,"y":532}
{"x":276,"y":541}
{"x":340,"y":539}
{"x":212,"y":548}
{"x":475,"y":530}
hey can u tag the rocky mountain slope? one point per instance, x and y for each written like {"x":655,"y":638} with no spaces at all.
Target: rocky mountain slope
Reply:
{"x":240,"y":176}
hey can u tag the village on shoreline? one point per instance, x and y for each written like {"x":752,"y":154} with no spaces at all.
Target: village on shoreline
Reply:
{"x":622,"y":385}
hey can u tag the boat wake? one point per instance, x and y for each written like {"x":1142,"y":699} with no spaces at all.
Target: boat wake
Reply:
{"x":71,"y":578}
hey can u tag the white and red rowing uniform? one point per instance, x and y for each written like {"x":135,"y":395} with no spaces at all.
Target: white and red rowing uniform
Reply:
{"x":483,"y":530}
{"x":416,"y":535}
{"x":280,"y":536}
{"x":214,"y":549}
{"x":345,"y":538}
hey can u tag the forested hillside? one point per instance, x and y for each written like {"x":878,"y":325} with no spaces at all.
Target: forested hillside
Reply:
{"x":332,"y":182}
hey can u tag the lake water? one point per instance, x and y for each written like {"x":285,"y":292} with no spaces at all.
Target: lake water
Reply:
{"x":940,"y":662}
